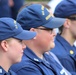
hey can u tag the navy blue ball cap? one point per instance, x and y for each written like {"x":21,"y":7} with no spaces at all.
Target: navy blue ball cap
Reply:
{"x":54,"y":23}
{"x":36,"y":15}
{"x":9,"y":28}
{"x":26,"y":35}
{"x":65,"y":9}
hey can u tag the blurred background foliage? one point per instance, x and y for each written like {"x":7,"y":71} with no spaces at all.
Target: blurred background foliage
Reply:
{"x":37,"y":0}
{"x":41,"y":1}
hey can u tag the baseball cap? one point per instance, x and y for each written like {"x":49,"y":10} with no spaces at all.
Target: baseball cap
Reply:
{"x":65,"y":8}
{"x":9,"y":28}
{"x":36,"y":15}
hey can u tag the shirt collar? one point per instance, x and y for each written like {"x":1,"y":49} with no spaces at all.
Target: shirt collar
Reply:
{"x":30,"y":54}
{"x":66,"y":44}
{"x":2,"y":71}
{"x":62,"y":40}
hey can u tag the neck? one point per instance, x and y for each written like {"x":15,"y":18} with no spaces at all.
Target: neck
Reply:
{"x":69,"y":38}
{"x":4,"y":63}
{"x":36,"y":50}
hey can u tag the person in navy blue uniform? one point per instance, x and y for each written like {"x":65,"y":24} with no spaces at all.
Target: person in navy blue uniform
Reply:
{"x":5,"y":10}
{"x":15,"y":8}
{"x":11,"y":45}
{"x":35,"y":60}
{"x":65,"y":49}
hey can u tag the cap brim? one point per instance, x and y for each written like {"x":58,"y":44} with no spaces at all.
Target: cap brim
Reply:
{"x":25,"y":35}
{"x":55,"y":22}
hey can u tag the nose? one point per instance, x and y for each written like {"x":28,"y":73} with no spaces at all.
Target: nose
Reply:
{"x":23,"y":46}
{"x":54,"y":33}
{"x":56,"y":30}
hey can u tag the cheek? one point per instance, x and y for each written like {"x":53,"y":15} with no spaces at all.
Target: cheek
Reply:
{"x":49,"y":40}
{"x":73,"y":31}
{"x":17,"y":50}
{"x":52,"y":45}
{"x":15,"y":53}
{"x":73,"y":28}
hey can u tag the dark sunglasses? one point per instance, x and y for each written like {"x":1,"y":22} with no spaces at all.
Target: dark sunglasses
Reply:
{"x":72,"y":18}
{"x":45,"y":29}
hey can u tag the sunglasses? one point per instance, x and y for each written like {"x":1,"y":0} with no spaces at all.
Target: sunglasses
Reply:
{"x":72,"y":18}
{"x":47,"y":29}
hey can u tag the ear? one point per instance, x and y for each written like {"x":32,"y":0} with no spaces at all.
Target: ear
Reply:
{"x":4,"y":45}
{"x":67,"y":23}
{"x":34,"y":30}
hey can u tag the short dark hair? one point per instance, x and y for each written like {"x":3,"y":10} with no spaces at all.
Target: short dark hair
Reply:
{"x":61,"y":29}
{"x":44,"y":4}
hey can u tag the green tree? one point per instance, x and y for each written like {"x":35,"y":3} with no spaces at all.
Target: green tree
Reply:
{"x":37,"y":0}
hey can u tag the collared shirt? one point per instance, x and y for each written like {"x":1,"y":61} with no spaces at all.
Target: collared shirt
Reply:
{"x":5,"y":10}
{"x":3,"y":72}
{"x":3,"y":2}
{"x":66,"y":53}
{"x":32,"y":65}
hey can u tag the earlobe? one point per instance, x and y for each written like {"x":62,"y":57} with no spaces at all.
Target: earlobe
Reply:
{"x":34,"y":38}
{"x":4,"y":45}
{"x":67,"y":23}
{"x":32,"y":29}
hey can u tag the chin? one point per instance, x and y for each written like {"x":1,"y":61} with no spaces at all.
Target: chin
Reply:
{"x":17,"y":61}
{"x":52,"y":46}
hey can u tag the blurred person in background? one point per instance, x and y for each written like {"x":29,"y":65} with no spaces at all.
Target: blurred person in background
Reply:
{"x":5,"y":10}
{"x":17,"y":4}
{"x":10,"y":8}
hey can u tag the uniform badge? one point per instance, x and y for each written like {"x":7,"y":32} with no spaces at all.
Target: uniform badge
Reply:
{"x":15,"y":24}
{"x":71,"y":52}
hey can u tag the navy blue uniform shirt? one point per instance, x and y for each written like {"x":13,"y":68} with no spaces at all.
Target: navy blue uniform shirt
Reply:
{"x":17,"y":5}
{"x":32,"y":65}
{"x":4,"y":9}
{"x":3,"y":72}
{"x":66,"y":53}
